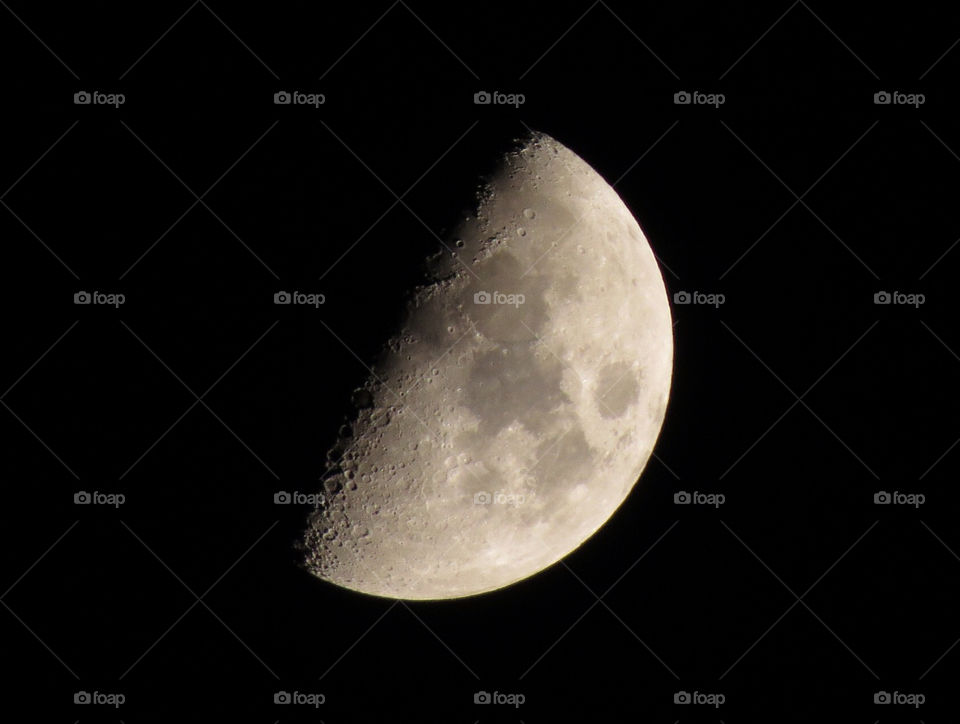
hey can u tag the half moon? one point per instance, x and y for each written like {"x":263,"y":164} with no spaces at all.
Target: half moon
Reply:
{"x":520,"y":401}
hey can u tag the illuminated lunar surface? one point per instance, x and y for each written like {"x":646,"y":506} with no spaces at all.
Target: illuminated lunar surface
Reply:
{"x":497,"y":433}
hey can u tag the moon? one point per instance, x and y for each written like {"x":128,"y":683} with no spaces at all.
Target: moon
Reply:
{"x":519,"y":402}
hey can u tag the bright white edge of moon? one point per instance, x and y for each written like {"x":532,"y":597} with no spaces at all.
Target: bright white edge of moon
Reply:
{"x":494,"y":438}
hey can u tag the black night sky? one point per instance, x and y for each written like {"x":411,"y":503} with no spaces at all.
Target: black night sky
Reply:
{"x":811,"y":184}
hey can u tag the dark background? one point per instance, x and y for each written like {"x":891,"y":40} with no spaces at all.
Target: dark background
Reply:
{"x":297,"y":198}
